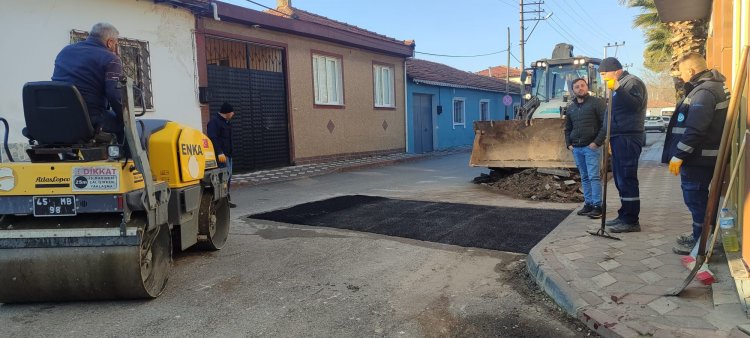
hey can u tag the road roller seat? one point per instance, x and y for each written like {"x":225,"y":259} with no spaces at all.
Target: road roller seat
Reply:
{"x":56,"y":114}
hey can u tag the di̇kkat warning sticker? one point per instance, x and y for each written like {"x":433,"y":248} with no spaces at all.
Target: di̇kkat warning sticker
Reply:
{"x":96,"y":179}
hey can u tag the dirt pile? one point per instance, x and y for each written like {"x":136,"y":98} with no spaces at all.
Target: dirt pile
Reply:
{"x":551,"y":185}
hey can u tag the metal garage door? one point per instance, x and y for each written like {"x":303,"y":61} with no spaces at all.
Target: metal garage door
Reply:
{"x":252,"y":79}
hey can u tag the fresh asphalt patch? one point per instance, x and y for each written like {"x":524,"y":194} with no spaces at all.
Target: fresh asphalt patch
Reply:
{"x":497,"y":228}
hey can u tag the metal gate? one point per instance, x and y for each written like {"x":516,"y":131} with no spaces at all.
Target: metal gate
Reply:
{"x":252,"y":79}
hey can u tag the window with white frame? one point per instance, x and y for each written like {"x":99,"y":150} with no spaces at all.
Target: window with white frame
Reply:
{"x":384,"y":86}
{"x":459,"y":112}
{"x":327,"y":80}
{"x":484,"y":110}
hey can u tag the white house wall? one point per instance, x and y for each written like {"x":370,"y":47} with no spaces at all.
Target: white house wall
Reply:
{"x":34,"y":31}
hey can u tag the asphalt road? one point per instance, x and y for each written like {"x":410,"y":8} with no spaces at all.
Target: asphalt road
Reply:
{"x":275,"y":279}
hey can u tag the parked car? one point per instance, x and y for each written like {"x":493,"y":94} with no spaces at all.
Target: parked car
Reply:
{"x":666,"y":120}
{"x":655,"y":123}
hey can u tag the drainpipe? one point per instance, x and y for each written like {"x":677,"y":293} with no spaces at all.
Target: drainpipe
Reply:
{"x":406,"y":114}
{"x":216,"y":11}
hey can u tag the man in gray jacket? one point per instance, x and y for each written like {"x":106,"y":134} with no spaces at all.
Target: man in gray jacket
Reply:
{"x":584,"y":134}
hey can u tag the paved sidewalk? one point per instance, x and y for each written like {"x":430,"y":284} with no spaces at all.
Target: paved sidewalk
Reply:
{"x":617,"y":287}
{"x":315,"y":169}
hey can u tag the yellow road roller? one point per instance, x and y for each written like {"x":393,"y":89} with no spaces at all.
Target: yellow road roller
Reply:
{"x":91,"y":218}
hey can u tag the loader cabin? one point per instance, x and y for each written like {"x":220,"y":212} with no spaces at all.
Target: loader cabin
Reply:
{"x":550,"y":79}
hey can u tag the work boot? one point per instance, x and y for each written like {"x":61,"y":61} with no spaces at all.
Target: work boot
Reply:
{"x":686,"y":238}
{"x":614,"y":222}
{"x":232,"y":205}
{"x":585,"y":210}
{"x":683,"y":249}
{"x":596,"y":212}
{"x":625,"y":227}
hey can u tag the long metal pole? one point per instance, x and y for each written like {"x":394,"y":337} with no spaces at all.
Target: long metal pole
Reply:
{"x":507,"y":75}
{"x":520,"y":2}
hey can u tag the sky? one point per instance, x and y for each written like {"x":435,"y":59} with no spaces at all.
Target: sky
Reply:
{"x":478,"y":27}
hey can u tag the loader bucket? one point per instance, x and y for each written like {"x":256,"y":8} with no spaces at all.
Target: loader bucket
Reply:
{"x":512,"y":144}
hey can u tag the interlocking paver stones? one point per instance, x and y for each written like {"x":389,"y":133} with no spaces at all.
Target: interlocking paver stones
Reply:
{"x":656,"y":251}
{"x":650,"y":277}
{"x":609,"y":264}
{"x":638,"y":298}
{"x":639,"y":270}
{"x":603,"y":280}
{"x":662,"y":305}
{"x":573,"y":256}
{"x":652,"y":262}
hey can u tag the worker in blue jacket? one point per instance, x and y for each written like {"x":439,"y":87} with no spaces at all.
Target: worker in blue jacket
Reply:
{"x":219,"y":130}
{"x":627,"y":139}
{"x":692,"y":143}
{"x":94,"y":67}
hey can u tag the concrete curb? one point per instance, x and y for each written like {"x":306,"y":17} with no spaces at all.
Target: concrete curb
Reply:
{"x":552,"y":283}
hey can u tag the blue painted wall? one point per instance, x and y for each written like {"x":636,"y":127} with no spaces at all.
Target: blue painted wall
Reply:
{"x":445,"y":134}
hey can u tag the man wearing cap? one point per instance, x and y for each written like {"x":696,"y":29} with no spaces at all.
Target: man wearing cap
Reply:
{"x":628,"y":136}
{"x":584,"y":134}
{"x":219,"y":130}
{"x":693,"y":137}
{"x":95,"y":68}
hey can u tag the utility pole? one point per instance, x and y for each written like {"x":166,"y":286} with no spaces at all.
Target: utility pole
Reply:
{"x":616,"y":46}
{"x":523,"y":39}
{"x":507,"y":74}
{"x":522,"y":10}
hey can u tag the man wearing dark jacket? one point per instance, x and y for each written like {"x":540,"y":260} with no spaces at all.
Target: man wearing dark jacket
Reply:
{"x":219,"y":130}
{"x":584,"y":134}
{"x":627,"y":137}
{"x":94,"y":67}
{"x":693,"y":137}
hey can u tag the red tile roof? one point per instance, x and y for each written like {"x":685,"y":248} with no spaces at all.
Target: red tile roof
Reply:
{"x":500,"y":72}
{"x":439,"y":74}
{"x":321,"y":20}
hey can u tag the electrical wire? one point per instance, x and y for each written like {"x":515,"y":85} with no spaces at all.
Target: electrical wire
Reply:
{"x":462,"y":56}
{"x":579,"y":18}
{"x":584,"y":46}
{"x":271,"y":9}
{"x":508,"y":4}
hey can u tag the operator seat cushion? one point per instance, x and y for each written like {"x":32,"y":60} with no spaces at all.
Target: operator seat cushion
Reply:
{"x":55,"y":113}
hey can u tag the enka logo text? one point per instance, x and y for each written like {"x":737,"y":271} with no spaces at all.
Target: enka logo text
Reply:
{"x":52,"y":180}
{"x":191,"y":149}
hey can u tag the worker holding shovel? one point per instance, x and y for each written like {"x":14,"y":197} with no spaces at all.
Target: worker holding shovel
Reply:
{"x":692,"y":143}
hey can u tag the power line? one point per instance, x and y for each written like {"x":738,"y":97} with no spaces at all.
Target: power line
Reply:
{"x":507,"y":3}
{"x":272,"y":9}
{"x":578,"y":16}
{"x":519,"y":61}
{"x":571,"y":37}
{"x":583,"y":9}
{"x":462,"y":56}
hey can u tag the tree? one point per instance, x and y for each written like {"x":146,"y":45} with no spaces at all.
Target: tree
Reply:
{"x":667,"y":42}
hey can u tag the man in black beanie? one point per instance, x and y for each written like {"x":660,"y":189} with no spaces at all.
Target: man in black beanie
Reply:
{"x":219,"y":130}
{"x":627,"y":139}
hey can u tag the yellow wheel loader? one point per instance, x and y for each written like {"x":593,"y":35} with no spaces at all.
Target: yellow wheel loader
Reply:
{"x":536,"y":138}
{"x":89,"y":218}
